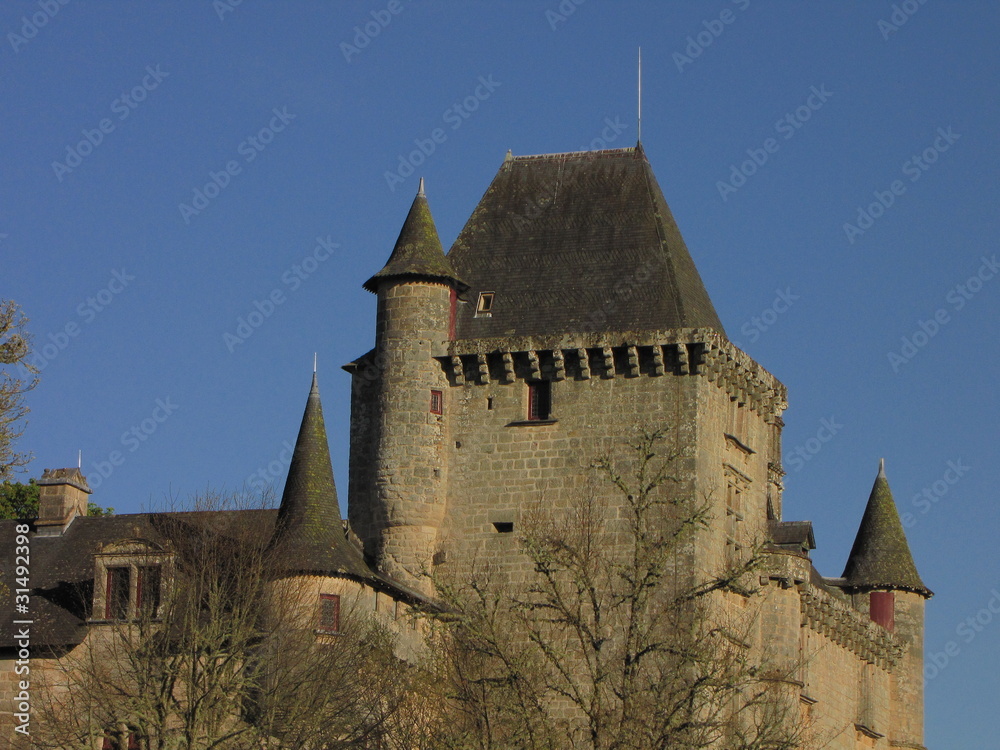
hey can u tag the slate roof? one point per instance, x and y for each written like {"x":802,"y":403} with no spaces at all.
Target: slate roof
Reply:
{"x":794,"y":536}
{"x":62,"y":566}
{"x":306,"y":534}
{"x":577,"y":242}
{"x":309,"y":534}
{"x":417,"y":252}
{"x":880,"y":557}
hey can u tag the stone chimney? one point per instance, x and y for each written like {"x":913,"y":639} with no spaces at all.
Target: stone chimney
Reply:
{"x":62,"y":497}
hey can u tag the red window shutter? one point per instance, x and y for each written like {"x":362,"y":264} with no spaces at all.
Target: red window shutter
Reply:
{"x":881,"y":605}
{"x":329,"y":613}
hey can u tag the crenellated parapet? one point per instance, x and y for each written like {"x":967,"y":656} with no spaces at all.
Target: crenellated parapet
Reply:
{"x":836,"y":619}
{"x":684,"y":351}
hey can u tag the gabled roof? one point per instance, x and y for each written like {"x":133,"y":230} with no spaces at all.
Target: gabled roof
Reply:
{"x":795,"y":536}
{"x":308,"y":533}
{"x":417,"y":252}
{"x":880,"y":557}
{"x":577,"y":242}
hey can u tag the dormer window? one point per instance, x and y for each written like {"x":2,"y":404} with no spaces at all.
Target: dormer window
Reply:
{"x":484,"y":307}
{"x":129,"y":580}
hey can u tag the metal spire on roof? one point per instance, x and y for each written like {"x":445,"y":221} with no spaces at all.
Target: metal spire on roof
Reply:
{"x":640,"y":96}
{"x":314,"y":363}
{"x":420,"y":187}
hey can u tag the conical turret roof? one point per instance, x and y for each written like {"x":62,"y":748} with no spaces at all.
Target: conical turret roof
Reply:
{"x":417,"y":252}
{"x":309,"y":535}
{"x":880,"y":557}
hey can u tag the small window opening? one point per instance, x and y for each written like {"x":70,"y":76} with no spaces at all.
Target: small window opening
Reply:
{"x":116,"y":602}
{"x":437,"y":402}
{"x":539,"y":400}
{"x":489,"y":403}
{"x":329,"y":613}
{"x":485,"y":304}
{"x":503,"y":527}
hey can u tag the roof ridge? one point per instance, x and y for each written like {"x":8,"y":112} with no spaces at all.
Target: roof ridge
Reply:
{"x":529,"y":157}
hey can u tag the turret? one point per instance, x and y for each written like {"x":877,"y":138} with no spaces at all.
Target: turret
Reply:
{"x":881,"y":569}
{"x":417,"y":292}
{"x":309,"y":536}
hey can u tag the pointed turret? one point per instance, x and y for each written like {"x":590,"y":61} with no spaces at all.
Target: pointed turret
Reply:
{"x":880,"y":557}
{"x":309,"y":535}
{"x":417,"y":252}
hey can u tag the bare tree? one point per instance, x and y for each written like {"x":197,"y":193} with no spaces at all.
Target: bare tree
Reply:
{"x":17,"y":376}
{"x":229,"y":657}
{"x":613,"y":643}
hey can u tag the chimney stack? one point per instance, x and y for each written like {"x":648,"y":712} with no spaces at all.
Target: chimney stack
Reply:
{"x":63,"y":497}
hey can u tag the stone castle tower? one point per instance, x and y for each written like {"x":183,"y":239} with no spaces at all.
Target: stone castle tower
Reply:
{"x":567,"y":313}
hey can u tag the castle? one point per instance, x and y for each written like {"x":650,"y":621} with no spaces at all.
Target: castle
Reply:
{"x":567,"y":312}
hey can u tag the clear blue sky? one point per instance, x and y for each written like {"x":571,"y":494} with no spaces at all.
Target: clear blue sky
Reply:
{"x":833,"y":105}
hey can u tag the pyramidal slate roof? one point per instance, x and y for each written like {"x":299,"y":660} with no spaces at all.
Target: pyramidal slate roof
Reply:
{"x":309,"y":535}
{"x":577,"y":242}
{"x":417,"y":252}
{"x":880,"y":557}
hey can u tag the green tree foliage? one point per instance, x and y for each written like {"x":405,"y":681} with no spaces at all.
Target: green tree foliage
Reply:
{"x":20,"y":501}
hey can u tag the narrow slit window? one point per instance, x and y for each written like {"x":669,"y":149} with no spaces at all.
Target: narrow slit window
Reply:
{"x":329,"y":613}
{"x":437,"y":402}
{"x":485,"y":304}
{"x":116,"y":602}
{"x":539,"y":400}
